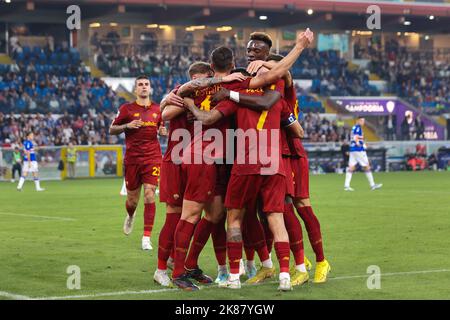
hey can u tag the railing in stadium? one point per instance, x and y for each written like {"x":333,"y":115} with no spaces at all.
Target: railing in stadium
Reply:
{"x":107,"y":161}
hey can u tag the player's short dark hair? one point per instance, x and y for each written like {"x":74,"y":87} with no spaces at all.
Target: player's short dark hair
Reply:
{"x":241,"y":70}
{"x":262,"y":36}
{"x":29,"y":132}
{"x":360,"y":117}
{"x":275,"y":57}
{"x":222,"y":59}
{"x":142,"y":77}
{"x":199,"y":67}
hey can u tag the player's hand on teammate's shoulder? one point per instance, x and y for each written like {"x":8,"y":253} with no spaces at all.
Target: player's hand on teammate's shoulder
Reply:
{"x":254,"y":66}
{"x":304,"y":39}
{"x":174,"y":99}
{"x":237,"y":76}
{"x":220,"y":95}
{"x":188,"y":103}
{"x":135,"y":124}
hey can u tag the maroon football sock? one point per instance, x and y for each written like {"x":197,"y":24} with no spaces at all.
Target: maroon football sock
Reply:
{"x":165,"y":244}
{"x":234,"y":250}
{"x":294,"y":230}
{"x":219,"y":237}
{"x":313,"y":228}
{"x":149,"y":218}
{"x":283,"y":255}
{"x":201,"y":236}
{"x":183,"y":235}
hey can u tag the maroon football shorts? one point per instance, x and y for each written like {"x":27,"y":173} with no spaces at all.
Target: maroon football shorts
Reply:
{"x":222,"y":178}
{"x":300,"y":168}
{"x":139,"y":174}
{"x":289,"y":176}
{"x":171,"y":184}
{"x":200,"y":181}
{"x":242,"y":190}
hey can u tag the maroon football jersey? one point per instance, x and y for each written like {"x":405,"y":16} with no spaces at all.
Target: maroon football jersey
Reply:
{"x":254,"y":122}
{"x":142,"y":144}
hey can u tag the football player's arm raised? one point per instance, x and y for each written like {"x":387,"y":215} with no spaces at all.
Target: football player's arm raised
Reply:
{"x":281,"y":68}
{"x":206,"y":117}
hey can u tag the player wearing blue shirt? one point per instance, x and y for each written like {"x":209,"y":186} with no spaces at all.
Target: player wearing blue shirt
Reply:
{"x":358,"y":155}
{"x":29,"y":163}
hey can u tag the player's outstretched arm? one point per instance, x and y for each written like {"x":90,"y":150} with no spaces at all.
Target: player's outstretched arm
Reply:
{"x":254,"y":66}
{"x":262,"y":80}
{"x":188,"y":88}
{"x":171,"y":111}
{"x":206,"y":117}
{"x":257,"y":103}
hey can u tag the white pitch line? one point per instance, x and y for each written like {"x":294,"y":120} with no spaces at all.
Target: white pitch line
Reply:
{"x":109,"y":294}
{"x":36,"y":216}
{"x":13,"y":296}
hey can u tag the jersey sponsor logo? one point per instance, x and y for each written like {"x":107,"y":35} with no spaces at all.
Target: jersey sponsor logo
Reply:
{"x":137,"y":114}
{"x":258,"y":90}
{"x":149,"y":124}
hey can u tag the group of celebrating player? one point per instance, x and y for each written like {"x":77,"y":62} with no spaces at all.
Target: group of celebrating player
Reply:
{"x":256,"y":199}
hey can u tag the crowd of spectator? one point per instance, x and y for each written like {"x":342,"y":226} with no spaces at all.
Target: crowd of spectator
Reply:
{"x":58,"y":130}
{"x":416,"y":76}
{"x":321,"y":129}
{"x":43,"y":80}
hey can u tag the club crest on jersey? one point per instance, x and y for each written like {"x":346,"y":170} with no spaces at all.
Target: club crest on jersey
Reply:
{"x":155,"y":115}
{"x":136,"y":115}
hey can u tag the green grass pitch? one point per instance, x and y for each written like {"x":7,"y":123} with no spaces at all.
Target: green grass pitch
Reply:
{"x":403,"y":229}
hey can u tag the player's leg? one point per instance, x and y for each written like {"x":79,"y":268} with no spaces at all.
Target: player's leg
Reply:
{"x":234,"y":246}
{"x":123,"y":191}
{"x":272,"y":196}
{"x":255,"y":236}
{"x":214,"y":212}
{"x":134,"y":184}
{"x":213,"y":215}
{"x":299,"y":274}
{"x":219,"y":238}
{"x":131,"y":204}
{"x":35,"y":172}
{"x":171,"y":184}
{"x":191,"y":212}
{"x":240,"y":192}
{"x":281,"y":239}
{"x":364,"y":163}
{"x":26,"y":169}
{"x":200,"y":183}
{"x":349,"y":172}
{"x":149,"y":215}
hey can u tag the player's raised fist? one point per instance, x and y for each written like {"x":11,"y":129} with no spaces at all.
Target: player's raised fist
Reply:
{"x":305,"y":38}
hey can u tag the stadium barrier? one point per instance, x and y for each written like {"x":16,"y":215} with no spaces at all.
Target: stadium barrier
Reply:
{"x":101,"y":161}
{"x":95,"y":161}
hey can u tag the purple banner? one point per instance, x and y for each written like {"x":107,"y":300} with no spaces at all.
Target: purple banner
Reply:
{"x":387,"y":106}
